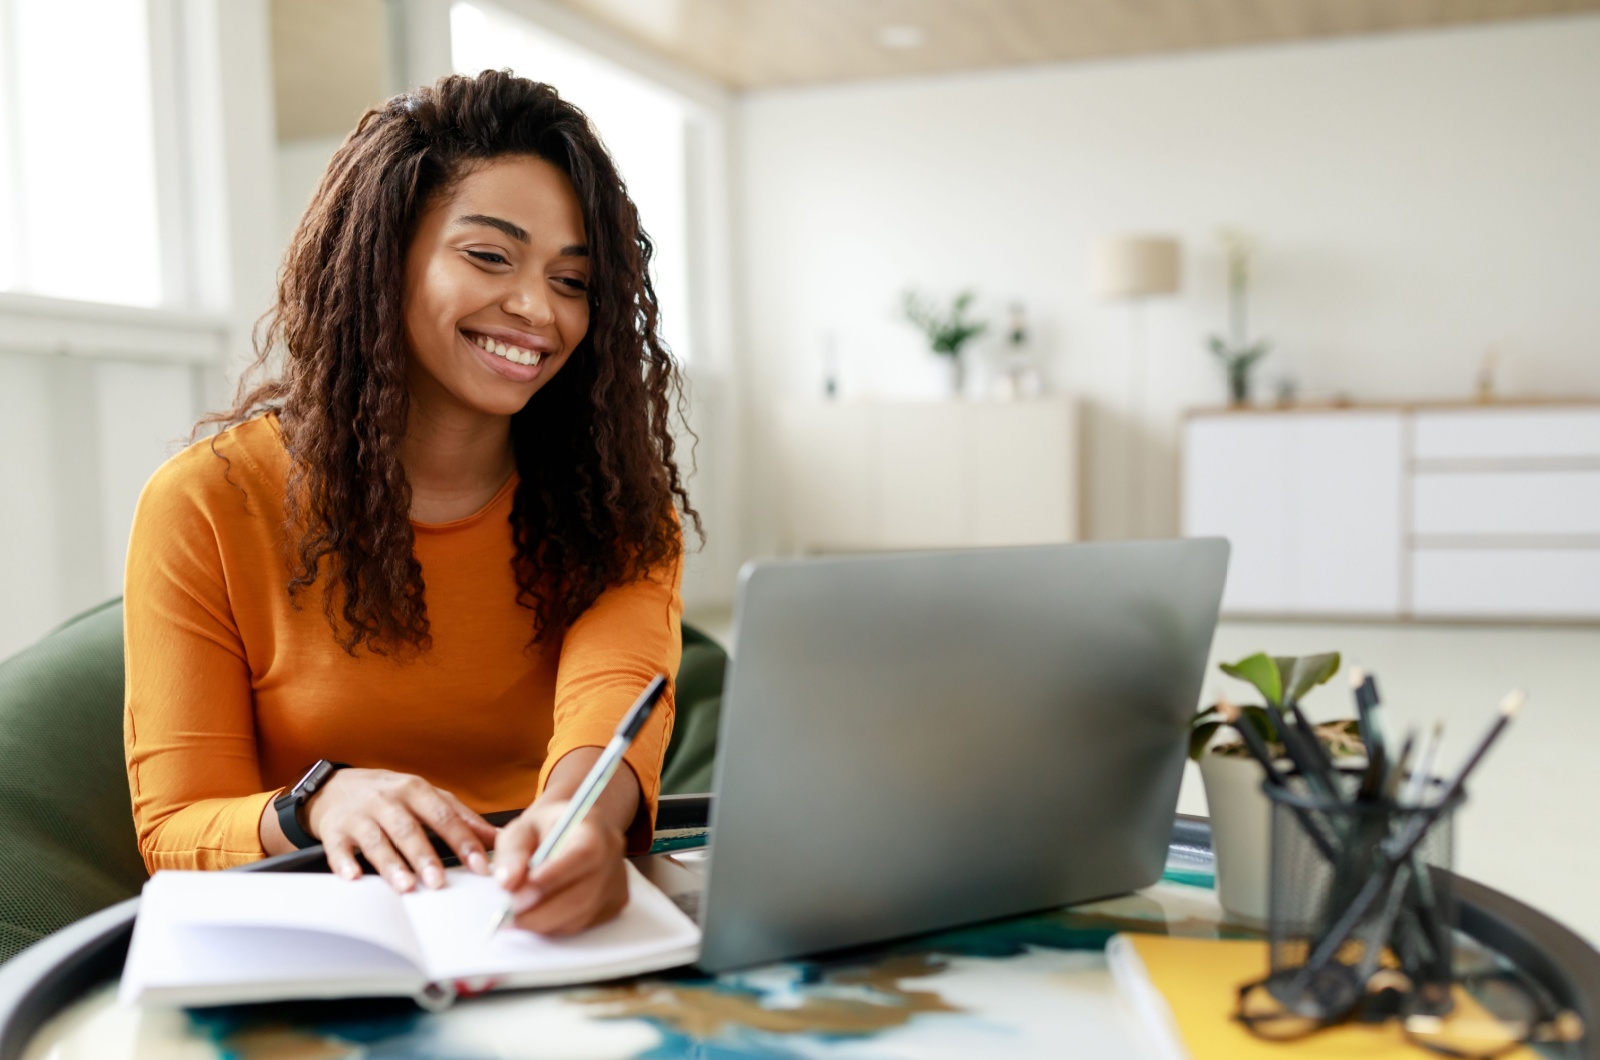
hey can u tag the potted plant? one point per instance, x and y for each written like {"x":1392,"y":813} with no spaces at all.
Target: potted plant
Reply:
{"x":948,"y":329}
{"x":1237,"y":354}
{"x":1241,"y":817}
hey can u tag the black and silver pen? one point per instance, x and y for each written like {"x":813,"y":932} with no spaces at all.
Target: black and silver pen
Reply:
{"x":594,"y":784}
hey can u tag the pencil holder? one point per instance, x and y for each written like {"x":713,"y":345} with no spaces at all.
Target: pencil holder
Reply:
{"x":1341,"y":908}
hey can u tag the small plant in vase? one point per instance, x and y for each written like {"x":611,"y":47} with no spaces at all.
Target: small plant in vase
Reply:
{"x":1240,"y":813}
{"x":1237,"y":354}
{"x":948,"y":329}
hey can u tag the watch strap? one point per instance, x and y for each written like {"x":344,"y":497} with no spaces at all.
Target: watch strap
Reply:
{"x":288,"y":807}
{"x":290,"y":804}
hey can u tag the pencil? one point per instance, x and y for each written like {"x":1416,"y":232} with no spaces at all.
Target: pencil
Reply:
{"x":1510,"y":706}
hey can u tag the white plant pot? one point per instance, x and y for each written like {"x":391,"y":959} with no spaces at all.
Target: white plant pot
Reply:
{"x":1241,"y":835}
{"x":955,"y":375}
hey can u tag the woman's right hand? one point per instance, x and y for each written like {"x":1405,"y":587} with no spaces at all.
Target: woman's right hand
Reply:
{"x":382,"y":815}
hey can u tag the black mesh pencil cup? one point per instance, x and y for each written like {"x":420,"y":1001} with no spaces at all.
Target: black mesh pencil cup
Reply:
{"x":1406,"y":909}
{"x":1355,"y":931}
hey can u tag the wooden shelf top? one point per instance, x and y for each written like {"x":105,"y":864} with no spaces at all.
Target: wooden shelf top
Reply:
{"x":1397,"y":406}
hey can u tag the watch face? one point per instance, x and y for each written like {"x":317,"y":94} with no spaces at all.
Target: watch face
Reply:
{"x":315,"y":777}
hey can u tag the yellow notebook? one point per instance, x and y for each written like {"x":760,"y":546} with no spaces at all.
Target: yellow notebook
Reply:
{"x":1185,"y":990}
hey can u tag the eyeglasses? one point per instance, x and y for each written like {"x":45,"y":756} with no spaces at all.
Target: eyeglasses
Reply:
{"x":1482,"y":1015}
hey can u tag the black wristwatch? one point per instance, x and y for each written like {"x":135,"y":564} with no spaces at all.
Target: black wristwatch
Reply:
{"x":290,"y":805}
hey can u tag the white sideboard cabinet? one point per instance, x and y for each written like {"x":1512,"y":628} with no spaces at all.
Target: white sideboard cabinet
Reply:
{"x":879,"y":475}
{"x":1505,"y":513}
{"x":1429,"y":512}
{"x":1311,"y":503}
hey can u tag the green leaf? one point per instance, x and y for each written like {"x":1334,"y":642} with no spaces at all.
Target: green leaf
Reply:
{"x":1201,"y":735}
{"x":1252,"y":354}
{"x":1306,"y":673}
{"x":947,"y":330}
{"x":1259,"y":670}
{"x":1285,"y":665}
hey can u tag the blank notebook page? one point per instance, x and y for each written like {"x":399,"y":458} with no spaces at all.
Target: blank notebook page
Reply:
{"x":216,"y":928}
{"x":452,"y":927}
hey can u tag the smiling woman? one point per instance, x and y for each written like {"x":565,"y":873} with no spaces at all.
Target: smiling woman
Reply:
{"x":501,"y":265}
{"x":431,"y":562}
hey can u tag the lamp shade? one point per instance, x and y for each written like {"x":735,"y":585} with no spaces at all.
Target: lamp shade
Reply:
{"x":1135,"y":267}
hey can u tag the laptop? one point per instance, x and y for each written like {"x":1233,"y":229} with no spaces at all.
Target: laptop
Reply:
{"x":918,"y":740}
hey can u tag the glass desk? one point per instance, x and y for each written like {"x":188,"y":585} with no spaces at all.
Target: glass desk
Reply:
{"x":1029,"y":986}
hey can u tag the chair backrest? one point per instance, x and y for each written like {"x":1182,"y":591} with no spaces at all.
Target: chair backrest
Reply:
{"x":67,"y":842}
{"x":692,"y":752}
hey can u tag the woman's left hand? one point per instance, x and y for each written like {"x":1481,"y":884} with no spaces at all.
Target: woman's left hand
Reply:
{"x":584,"y":884}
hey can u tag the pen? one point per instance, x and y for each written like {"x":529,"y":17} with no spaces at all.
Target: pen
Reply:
{"x":1372,"y":736}
{"x":1394,"y":776}
{"x":1263,"y":754}
{"x":1233,"y":716}
{"x":1417,"y":788}
{"x":1434,"y":931}
{"x":1301,"y":754}
{"x":594,"y":783}
{"x":1313,"y":742}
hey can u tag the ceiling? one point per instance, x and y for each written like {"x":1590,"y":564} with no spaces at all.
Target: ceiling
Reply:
{"x":328,"y":55}
{"x":749,"y":44}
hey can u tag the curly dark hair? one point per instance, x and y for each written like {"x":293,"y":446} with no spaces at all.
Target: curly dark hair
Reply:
{"x":598,"y":486}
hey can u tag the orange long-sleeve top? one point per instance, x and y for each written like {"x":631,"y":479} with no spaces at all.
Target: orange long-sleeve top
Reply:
{"x":233,"y":691}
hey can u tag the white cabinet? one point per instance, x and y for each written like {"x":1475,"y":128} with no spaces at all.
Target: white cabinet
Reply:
{"x":1225,"y":464}
{"x":830,"y":497}
{"x":1505,"y":513}
{"x":1311,"y":503}
{"x":1539,"y":432}
{"x":1425,"y":512}
{"x":918,"y":459}
{"x":1506,"y":583}
{"x":864,"y":476}
{"x":1495,"y":502}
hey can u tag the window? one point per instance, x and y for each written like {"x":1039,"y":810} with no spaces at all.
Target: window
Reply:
{"x":643,"y":126}
{"x":78,"y":206}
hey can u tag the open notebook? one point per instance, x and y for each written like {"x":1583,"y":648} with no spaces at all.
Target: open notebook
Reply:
{"x":215,"y":938}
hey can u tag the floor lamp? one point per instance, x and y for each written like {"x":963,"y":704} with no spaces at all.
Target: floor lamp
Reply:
{"x":1135,"y":269}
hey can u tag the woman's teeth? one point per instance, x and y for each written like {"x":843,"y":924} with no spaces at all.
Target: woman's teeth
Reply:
{"x":514,"y":354}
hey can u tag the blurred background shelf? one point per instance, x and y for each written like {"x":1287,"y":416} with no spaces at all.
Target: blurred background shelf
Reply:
{"x":880,"y":475}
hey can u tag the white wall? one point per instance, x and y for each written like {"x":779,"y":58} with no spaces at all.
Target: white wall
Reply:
{"x":300,"y":164}
{"x":1418,"y":199}
{"x":79,"y":437}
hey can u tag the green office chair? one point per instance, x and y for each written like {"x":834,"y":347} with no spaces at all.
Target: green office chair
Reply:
{"x":686,"y":769}
{"x":67,"y":842}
